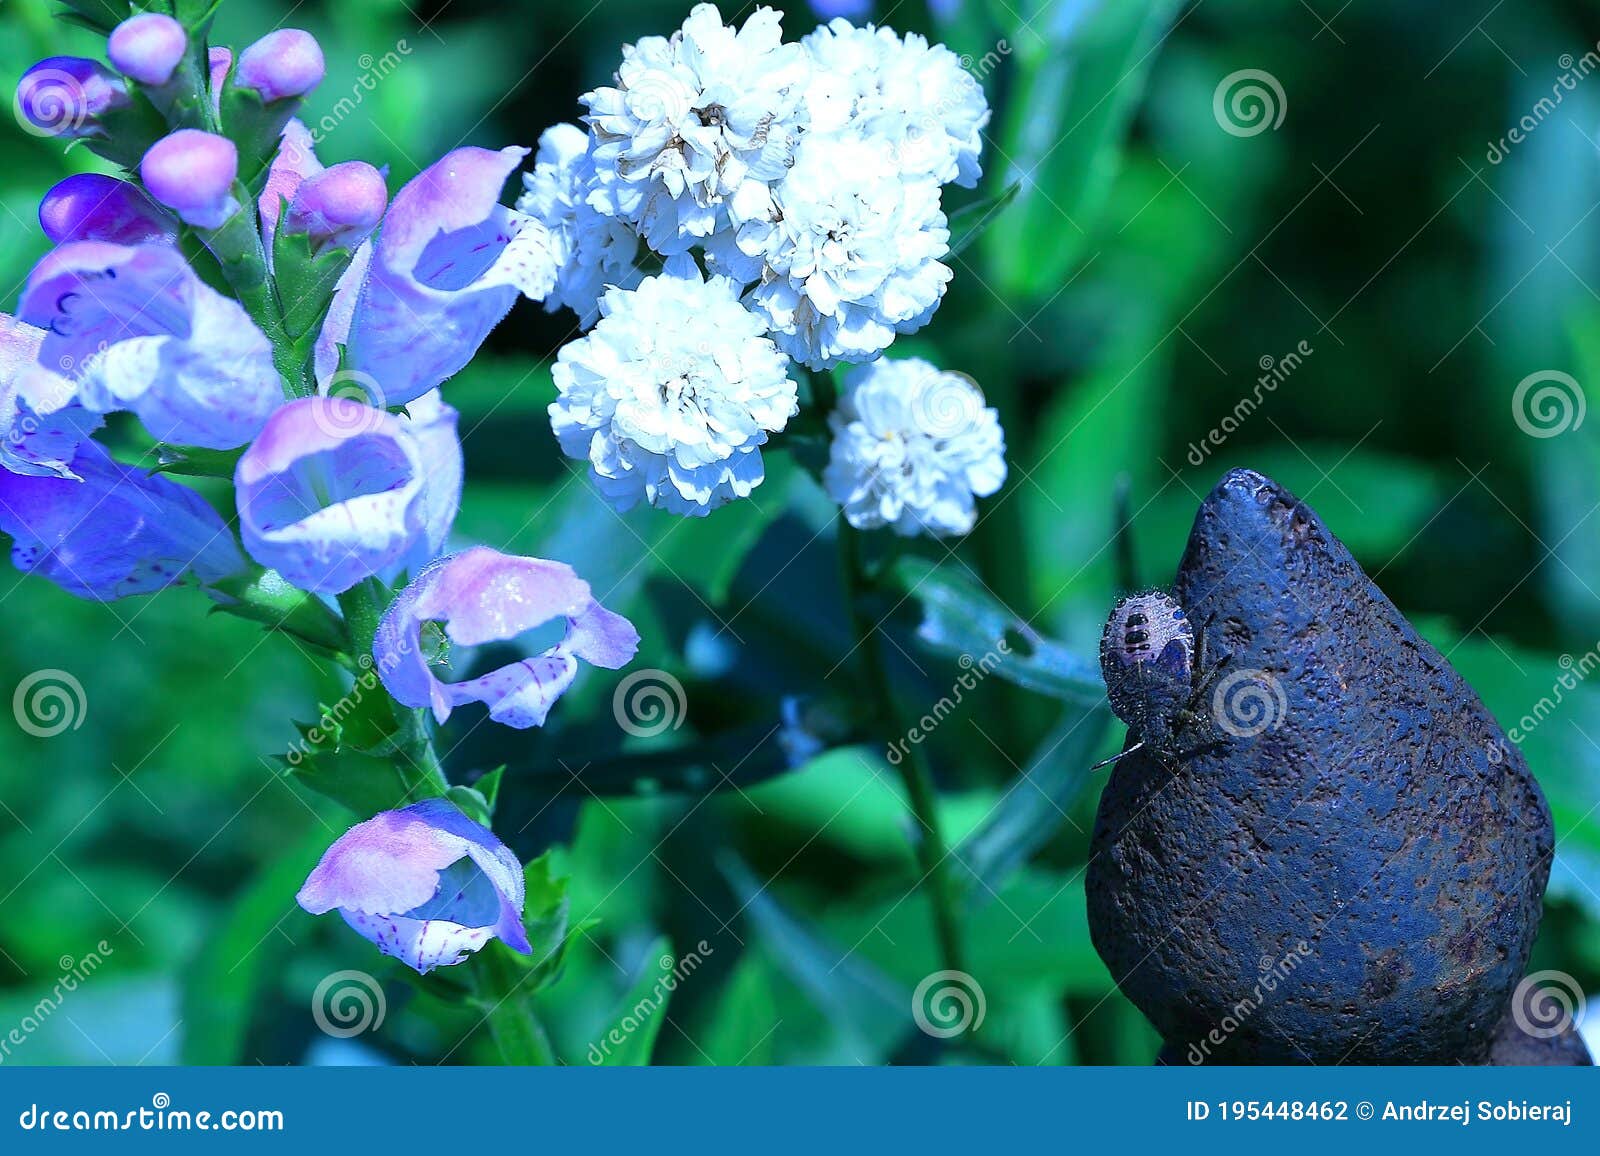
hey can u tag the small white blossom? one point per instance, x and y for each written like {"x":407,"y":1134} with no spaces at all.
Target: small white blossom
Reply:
{"x":913,"y":448}
{"x":692,"y":118}
{"x":844,"y":251}
{"x":913,"y":96}
{"x":592,"y":250}
{"x":672,"y":394}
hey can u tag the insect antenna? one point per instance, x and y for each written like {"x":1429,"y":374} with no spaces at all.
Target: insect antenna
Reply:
{"x":1107,"y":762}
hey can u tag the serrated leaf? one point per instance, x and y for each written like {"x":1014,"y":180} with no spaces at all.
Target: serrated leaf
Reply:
{"x":965,"y":622}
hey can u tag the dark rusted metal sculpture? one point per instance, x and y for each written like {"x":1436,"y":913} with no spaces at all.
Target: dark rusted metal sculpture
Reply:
{"x":1353,"y":872}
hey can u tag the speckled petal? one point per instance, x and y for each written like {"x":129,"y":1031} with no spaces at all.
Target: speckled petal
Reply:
{"x":480,"y":596}
{"x":115,"y":532}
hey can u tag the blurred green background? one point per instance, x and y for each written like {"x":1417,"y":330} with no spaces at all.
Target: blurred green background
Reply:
{"x":1116,"y":311}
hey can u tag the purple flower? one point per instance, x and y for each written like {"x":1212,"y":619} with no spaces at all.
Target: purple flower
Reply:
{"x":93,"y":207}
{"x":295,"y":160}
{"x":137,"y":330}
{"x":339,"y":206}
{"x":31,"y":443}
{"x":147,"y":47}
{"x":432,"y":425}
{"x":426,"y":884}
{"x":282,"y":65}
{"x":117,"y":531}
{"x":65,"y":95}
{"x":192,"y":173}
{"x":331,"y":492}
{"x":448,"y":264}
{"x":480,"y":596}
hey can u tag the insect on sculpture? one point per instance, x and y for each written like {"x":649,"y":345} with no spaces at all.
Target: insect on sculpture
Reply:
{"x":1156,"y":676}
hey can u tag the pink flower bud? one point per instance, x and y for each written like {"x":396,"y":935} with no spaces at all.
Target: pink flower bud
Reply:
{"x":192,"y":173}
{"x":281,"y":65}
{"x":147,"y":47}
{"x":64,"y":95}
{"x":339,"y":206}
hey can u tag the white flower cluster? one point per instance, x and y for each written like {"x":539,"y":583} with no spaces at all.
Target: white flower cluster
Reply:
{"x":793,"y":192}
{"x":913,"y":448}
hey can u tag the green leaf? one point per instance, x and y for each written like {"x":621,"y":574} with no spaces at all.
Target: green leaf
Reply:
{"x":366,"y":784}
{"x":1070,"y":109}
{"x":631,"y":1038}
{"x":247,"y":948}
{"x":743,"y":1026}
{"x":868,"y":1011}
{"x":1034,"y":806}
{"x":962,"y":620}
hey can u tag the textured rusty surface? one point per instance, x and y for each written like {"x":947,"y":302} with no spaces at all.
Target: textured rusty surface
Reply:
{"x":1384,"y":822}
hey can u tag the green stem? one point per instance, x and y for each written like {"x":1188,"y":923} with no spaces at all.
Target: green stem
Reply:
{"x":363,"y":606}
{"x":513,"y":1023}
{"x":931,"y":848}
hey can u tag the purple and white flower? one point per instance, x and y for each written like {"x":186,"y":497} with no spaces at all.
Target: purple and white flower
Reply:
{"x":480,"y":596}
{"x":426,"y":884}
{"x":284,"y":64}
{"x":448,"y":263}
{"x":331,"y":492}
{"x":136,"y":329}
{"x":112,"y":530}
